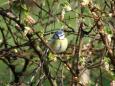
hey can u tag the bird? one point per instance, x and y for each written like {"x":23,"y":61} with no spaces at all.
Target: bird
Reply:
{"x":59,"y":42}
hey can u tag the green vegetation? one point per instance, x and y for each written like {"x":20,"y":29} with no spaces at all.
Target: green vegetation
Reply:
{"x":26,"y":28}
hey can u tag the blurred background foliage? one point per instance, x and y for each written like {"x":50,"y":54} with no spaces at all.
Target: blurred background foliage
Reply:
{"x":26,"y":26}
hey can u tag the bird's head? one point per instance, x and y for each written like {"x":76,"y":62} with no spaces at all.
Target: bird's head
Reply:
{"x":59,"y":35}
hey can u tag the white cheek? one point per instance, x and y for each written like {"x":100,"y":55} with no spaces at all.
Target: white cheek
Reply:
{"x":62,"y":37}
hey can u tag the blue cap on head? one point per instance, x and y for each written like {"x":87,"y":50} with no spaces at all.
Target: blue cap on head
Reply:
{"x":59,"y":34}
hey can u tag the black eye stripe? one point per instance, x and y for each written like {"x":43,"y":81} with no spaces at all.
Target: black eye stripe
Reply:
{"x":58,"y":35}
{"x":61,"y":35}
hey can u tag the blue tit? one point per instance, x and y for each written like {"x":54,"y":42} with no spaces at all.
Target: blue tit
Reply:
{"x":59,"y":42}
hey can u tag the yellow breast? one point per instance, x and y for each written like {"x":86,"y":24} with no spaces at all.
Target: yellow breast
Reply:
{"x":59,"y":45}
